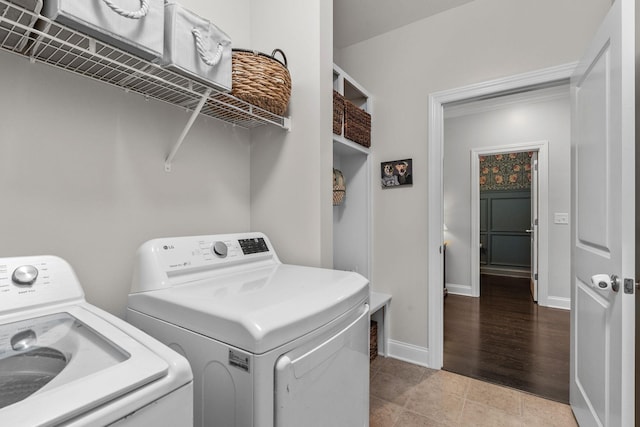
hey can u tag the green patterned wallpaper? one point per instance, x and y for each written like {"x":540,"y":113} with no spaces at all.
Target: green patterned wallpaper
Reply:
{"x":510,"y":171}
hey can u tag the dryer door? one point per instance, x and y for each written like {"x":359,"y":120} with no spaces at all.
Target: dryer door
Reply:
{"x":327,"y":382}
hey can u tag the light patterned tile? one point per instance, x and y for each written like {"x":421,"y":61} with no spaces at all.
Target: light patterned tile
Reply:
{"x":383,"y":413}
{"x":390,"y":388}
{"x":554,"y":413}
{"x":477,"y":414}
{"x":531,"y":421}
{"x":407,"y":371}
{"x":432,"y":399}
{"x":406,"y":395}
{"x":505,"y":399}
{"x":374,"y":365}
{"x":411,"y":419}
{"x":446,"y":381}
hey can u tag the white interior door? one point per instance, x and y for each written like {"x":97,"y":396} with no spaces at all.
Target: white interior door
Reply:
{"x":534,"y":226}
{"x":603,"y":225}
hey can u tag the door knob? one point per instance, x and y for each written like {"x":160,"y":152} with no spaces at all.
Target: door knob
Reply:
{"x":604,"y":282}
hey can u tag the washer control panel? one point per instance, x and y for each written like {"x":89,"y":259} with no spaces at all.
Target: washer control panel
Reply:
{"x":32,"y":281}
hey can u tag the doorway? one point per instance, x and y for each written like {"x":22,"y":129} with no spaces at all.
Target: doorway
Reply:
{"x":547,"y":77}
{"x":506,"y":213}
{"x":532,"y":234}
{"x":470,"y":132}
{"x":490,"y":331}
{"x":508,"y":195}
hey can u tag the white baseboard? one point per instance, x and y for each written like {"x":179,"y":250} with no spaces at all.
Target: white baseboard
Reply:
{"x":456,"y":289}
{"x":409,"y":353}
{"x":559,"y":302}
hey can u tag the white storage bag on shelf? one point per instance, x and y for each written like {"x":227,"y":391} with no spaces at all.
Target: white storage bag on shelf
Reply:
{"x":136,"y":26}
{"x":14,"y":37}
{"x":193,"y":46}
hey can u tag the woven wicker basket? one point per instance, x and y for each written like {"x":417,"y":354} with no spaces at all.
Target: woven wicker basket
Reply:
{"x":357,"y":124}
{"x":261,"y":80}
{"x":339,"y":187}
{"x":373,"y":340}
{"x":338,"y":112}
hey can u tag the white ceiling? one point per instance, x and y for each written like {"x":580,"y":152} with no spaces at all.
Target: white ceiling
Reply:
{"x":358,"y":20}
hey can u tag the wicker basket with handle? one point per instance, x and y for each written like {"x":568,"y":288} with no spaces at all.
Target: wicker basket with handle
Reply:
{"x":339,"y":187}
{"x":261,"y":80}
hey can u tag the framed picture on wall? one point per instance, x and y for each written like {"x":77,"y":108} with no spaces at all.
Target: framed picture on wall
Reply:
{"x":396,"y":173}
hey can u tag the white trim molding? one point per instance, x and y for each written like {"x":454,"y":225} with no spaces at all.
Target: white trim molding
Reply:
{"x":409,"y":353}
{"x":435,"y":206}
{"x":456,"y":289}
{"x":559,"y":302}
{"x":542,"y":147}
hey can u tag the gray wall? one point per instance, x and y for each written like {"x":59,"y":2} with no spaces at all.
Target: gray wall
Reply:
{"x":82,"y":175}
{"x":291,"y":172}
{"x":502,"y":122}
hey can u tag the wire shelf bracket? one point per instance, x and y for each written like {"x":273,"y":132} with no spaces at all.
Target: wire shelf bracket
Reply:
{"x":185,"y":131}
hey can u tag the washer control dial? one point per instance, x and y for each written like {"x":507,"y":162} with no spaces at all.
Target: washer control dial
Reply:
{"x":220,"y":249}
{"x":24,"y":275}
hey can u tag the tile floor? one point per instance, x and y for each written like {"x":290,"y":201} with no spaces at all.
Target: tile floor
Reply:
{"x":407,"y":395}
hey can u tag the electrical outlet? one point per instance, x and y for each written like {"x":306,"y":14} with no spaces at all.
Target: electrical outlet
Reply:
{"x":561,"y":218}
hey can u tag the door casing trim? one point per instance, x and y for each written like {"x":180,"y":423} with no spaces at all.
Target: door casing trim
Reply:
{"x":435,"y":205}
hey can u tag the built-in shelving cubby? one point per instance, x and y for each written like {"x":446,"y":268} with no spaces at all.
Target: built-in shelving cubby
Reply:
{"x":352,"y":218}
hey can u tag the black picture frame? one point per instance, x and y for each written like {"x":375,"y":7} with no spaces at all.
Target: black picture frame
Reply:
{"x":396,"y":173}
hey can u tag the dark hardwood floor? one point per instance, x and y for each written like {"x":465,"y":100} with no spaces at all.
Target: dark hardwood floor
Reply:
{"x":504,"y":338}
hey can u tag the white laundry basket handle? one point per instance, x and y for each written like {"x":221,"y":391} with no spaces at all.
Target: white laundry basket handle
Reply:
{"x":211,"y":61}
{"x":141,"y":13}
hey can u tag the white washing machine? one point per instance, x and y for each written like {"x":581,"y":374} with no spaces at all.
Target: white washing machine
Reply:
{"x":270,"y":344}
{"x":64,"y":362}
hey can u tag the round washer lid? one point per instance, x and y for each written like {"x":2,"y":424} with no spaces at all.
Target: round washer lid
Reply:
{"x":96,"y":370}
{"x":260,"y":309}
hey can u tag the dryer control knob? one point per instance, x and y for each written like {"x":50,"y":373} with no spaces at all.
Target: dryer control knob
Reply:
{"x":24,"y":275}
{"x":220,"y":249}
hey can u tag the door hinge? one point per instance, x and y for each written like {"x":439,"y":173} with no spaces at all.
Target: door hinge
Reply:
{"x":629,"y":286}
{"x":535,"y":276}
{"x":535,"y":221}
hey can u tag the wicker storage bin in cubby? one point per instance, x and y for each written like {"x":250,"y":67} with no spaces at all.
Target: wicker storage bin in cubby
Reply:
{"x":373,"y":340}
{"x":338,"y":112}
{"x":357,"y":124}
{"x":339,"y":187}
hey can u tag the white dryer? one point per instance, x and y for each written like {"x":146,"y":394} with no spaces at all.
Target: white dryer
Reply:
{"x":270,"y":344}
{"x":64,"y":362}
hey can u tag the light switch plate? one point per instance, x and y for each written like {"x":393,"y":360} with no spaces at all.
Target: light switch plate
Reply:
{"x":561,"y":218}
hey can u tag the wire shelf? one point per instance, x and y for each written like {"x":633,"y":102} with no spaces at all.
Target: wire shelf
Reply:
{"x":31,"y":35}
